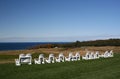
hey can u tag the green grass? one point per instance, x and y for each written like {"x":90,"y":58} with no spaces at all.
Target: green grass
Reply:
{"x":108,"y":68}
{"x":13,"y":57}
{"x":6,"y":57}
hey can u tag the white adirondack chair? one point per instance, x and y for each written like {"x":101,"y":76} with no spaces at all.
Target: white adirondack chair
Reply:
{"x":24,"y":59}
{"x":76,"y":57}
{"x":87,"y":56}
{"x":40,"y":60}
{"x":105,"y":55}
{"x":51,"y":59}
{"x":60,"y":58}
{"x":110,"y":53}
{"x":96,"y":55}
{"x":91,"y":55}
{"x":69,"y":58}
{"x":17,"y":61}
{"x":29,"y":59}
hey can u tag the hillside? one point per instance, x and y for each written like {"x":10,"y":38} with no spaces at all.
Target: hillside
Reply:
{"x":108,"y":42}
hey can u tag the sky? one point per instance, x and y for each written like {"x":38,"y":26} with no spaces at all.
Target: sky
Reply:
{"x":58,"y":20}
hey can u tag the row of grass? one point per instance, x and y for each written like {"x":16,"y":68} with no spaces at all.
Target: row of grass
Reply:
{"x":5,"y":58}
{"x":34,"y":55}
{"x":13,"y":57}
{"x":103,"y":68}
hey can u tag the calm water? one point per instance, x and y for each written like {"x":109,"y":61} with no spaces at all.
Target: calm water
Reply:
{"x":25,"y":45}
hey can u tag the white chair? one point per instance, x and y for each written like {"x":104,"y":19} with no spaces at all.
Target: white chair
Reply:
{"x":96,"y":55}
{"x":27,"y":59}
{"x":51,"y":59}
{"x":60,"y":58}
{"x":24,"y":59}
{"x":76,"y":57}
{"x":17,"y":61}
{"x":87,"y":56}
{"x":41,"y":59}
{"x":105,"y":55}
{"x":69,"y":58}
{"x":110,"y":54}
{"x":91,"y":55}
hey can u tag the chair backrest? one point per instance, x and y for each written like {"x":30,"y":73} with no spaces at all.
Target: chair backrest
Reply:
{"x":88,"y":55}
{"x":51,"y":57}
{"x":28,"y":55}
{"x":61,"y":55}
{"x":106,"y":53}
{"x":41,"y":56}
{"x":77,"y":54}
{"x":21,"y":55}
{"x":92,"y":54}
{"x":25,"y":58}
{"x":111,"y":51}
{"x":70,"y":55}
{"x":97,"y":54}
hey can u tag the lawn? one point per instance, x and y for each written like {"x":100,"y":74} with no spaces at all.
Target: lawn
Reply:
{"x":103,"y":68}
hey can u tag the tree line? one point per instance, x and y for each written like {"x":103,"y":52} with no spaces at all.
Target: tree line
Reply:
{"x":108,"y":42}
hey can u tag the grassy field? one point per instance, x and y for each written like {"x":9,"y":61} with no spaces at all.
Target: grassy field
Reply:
{"x":104,"y":68}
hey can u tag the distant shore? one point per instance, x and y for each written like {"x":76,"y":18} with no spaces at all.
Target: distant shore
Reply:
{"x":23,"y":45}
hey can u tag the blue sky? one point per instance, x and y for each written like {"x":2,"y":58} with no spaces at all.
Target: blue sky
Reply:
{"x":58,"y":20}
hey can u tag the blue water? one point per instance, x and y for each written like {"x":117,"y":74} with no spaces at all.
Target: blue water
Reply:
{"x":24,"y":45}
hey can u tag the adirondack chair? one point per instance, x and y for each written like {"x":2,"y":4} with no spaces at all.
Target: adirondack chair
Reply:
{"x":87,"y":56}
{"x":76,"y":57}
{"x":110,"y":53}
{"x":17,"y":61}
{"x":51,"y":59}
{"x":91,"y":55}
{"x":40,"y":60}
{"x":96,"y":55}
{"x":105,"y":55}
{"x":69,"y":58}
{"x":24,"y":59}
{"x":60,"y":58}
